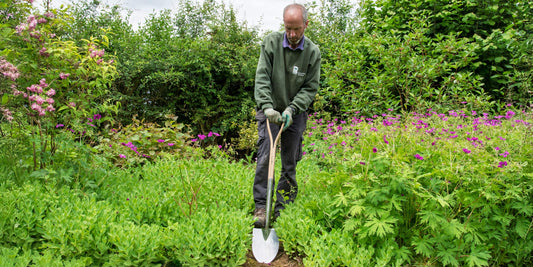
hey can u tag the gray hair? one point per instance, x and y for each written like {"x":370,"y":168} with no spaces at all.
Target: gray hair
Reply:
{"x":300,"y":6}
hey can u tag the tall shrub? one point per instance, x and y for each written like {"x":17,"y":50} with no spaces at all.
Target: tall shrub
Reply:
{"x":494,"y":25}
{"x":198,"y":65}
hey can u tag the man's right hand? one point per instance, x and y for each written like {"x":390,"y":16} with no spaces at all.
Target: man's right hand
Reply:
{"x":273,"y":116}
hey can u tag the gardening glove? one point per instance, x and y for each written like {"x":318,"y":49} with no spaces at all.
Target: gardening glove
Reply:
{"x":272,"y":115}
{"x":286,"y":117}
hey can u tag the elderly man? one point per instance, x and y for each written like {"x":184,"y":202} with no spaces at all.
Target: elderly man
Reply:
{"x":286,"y":83}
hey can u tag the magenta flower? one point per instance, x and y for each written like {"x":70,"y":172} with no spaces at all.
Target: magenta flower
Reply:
{"x":122,"y":156}
{"x":374,"y":150}
{"x":466,"y":151}
{"x":160,"y":140}
{"x":417,"y":156}
{"x":504,"y":154}
{"x":502,"y":164}
{"x":170,"y":144}
{"x":60,"y":125}
{"x":201,"y":136}
{"x":362,"y":163}
{"x":385,"y":139}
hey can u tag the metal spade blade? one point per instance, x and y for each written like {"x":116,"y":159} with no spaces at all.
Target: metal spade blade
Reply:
{"x":265,"y":250}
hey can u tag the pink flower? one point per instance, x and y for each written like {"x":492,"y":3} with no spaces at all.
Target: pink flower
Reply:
{"x":466,"y":151}
{"x":160,"y":140}
{"x":43,"y":52}
{"x":201,"y":136}
{"x":63,"y":76}
{"x":417,"y":156}
{"x":374,"y":150}
{"x":35,"y":107}
{"x":51,"y":92}
{"x":20,"y":28}
{"x":502,"y":164}
{"x":170,"y":144}
{"x":122,"y":156}
{"x":39,"y":100}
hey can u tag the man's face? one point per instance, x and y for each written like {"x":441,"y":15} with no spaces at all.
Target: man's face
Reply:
{"x":294,"y":26}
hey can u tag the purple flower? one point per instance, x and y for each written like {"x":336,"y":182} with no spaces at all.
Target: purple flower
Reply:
{"x":466,"y":151}
{"x":201,"y":136}
{"x":374,"y":150}
{"x":504,"y":154}
{"x":417,"y":156}
{"x":385,"y":139}
{"x":502,"y":164}
{"x":170,"y":144}
{"x":362,"y":163}
{"x":160,"y":140}
{"x":60,"y":125}
{"x":122,"y":156}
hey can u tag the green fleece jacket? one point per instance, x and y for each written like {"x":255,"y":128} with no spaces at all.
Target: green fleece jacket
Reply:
{"x":286,"y":77}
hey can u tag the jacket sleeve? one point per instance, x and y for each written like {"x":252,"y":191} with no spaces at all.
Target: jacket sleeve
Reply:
{"x":307,"y":92}
{"x":263,"y":75}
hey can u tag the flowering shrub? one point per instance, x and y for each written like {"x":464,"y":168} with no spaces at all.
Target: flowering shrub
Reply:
{"x":46,"y":81}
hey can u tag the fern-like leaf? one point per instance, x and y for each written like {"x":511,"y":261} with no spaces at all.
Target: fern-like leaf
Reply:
{"x":478,"y":257}
{"x":381,"y":227}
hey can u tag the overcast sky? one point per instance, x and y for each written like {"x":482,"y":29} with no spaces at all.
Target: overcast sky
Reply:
{"x":264,"y":13}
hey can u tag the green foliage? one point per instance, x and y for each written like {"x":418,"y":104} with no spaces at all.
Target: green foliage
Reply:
{"x":425,"y":188}
{"x":409,"y":73}
{"x":185,"y":212}
{"x":198,"y":64}
{"x":140,"y":142}
{"x":490,"y":24}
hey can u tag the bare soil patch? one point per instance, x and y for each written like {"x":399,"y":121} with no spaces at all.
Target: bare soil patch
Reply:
{"x":282,"y":259}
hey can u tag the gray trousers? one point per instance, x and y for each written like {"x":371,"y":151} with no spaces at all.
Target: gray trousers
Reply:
{"x":291,"y":153}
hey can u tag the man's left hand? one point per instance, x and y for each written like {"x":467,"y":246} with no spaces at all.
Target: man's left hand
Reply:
{"x":286,"y":117}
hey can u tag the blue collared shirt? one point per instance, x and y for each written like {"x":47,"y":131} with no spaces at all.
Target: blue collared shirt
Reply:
{"x":287,"y":45}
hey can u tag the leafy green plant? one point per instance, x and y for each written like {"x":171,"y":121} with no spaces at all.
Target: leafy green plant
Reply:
{"x":140,"y":142}
{"x":425,"y":188}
